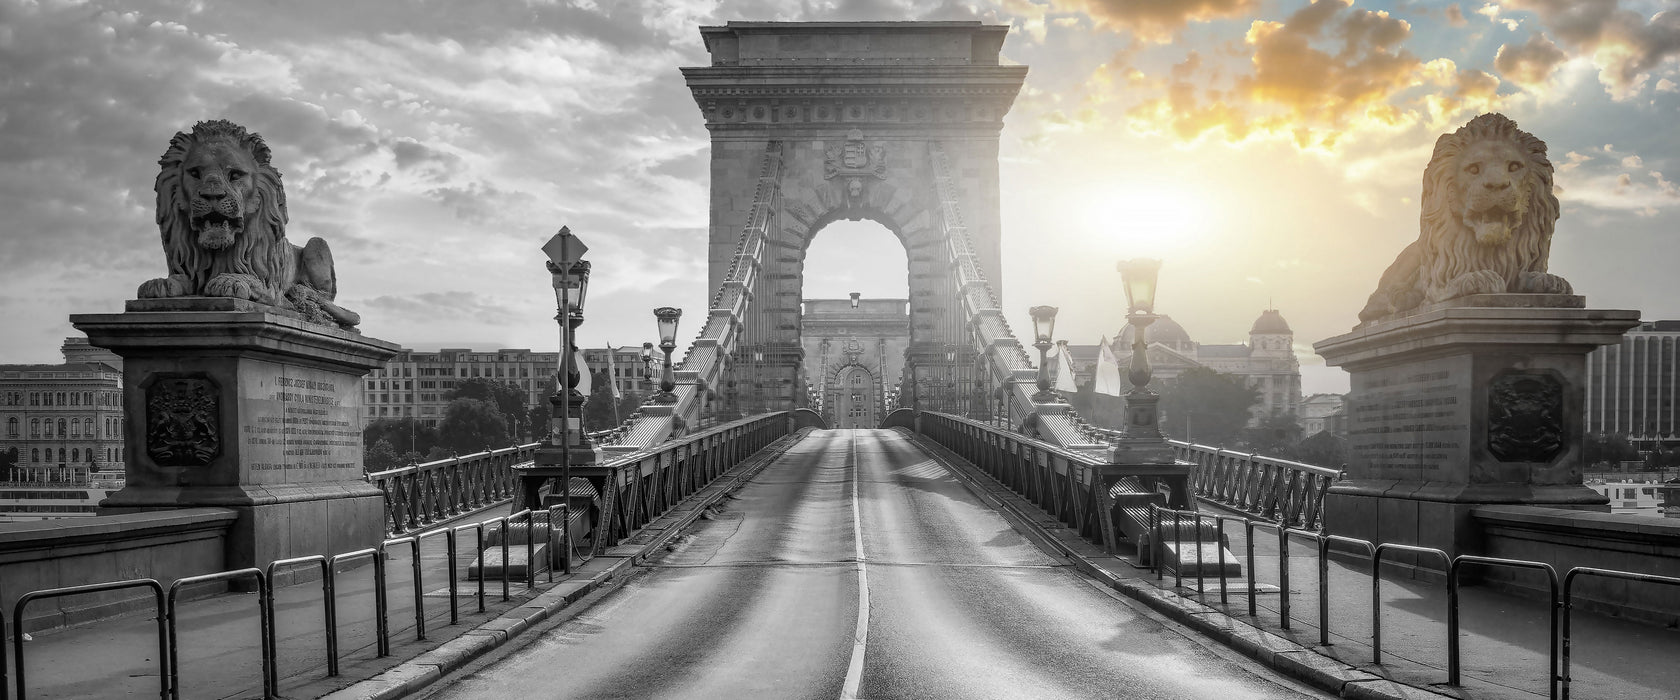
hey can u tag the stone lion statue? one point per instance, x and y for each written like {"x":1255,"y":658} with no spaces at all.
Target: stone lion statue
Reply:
{"x":222,"y":212}
{"x":1487,"y":221}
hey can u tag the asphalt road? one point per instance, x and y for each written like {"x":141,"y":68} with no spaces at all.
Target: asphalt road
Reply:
{"x":764,"y":601}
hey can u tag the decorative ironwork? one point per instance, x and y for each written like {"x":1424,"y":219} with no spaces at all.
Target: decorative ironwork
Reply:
{"x":1525,"y":417}
{"x":183,"y":420}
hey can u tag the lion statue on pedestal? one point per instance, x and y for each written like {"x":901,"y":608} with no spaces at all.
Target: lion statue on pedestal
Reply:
{"x":222,"y":212}
{"x":1487,"y":222}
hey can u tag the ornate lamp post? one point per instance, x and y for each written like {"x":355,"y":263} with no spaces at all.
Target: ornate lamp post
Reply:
{"x":647,"y":362}
{"x":667,"y":318}
{"x":567,"y":444}
{"x":1044,"y":327}
{"x":855,"y":298}
{"x":1138,"y":277}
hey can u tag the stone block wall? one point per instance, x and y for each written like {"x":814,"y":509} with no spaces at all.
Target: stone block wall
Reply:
{"x":161,"y":545}
{"x":1570,"y":538}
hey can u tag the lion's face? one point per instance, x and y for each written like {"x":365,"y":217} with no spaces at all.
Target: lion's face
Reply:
{"x":219,"y":184}
{"x":1491,"y":186}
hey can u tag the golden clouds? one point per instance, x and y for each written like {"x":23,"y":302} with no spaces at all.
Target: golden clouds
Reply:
{"x":1323,"y":71}
{"x":1624,"y":45}
{"x":1531,"y":63}
{"x":1156,"y":20}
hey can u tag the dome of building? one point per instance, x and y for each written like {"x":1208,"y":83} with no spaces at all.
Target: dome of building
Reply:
{"x":1270,"y":323}
{"x":1164,"y":330}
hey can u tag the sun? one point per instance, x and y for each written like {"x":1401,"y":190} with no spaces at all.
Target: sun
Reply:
{"x":1147,"y":219}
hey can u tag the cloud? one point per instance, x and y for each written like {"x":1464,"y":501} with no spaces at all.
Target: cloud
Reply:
{"x":1531,"y":63}
{"x":441,"y":307}
{"x":1624,"y":45}
{"x":1157,"y":21}
{"x":1323,"y":71}
{"x":1455,"y":16}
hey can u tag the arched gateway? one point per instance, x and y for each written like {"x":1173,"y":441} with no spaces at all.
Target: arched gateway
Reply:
{"x":896,"y":122}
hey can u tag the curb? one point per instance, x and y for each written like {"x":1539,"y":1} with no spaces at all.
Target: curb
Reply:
{"x":417,"y":674}
{"x":1275,"y":652}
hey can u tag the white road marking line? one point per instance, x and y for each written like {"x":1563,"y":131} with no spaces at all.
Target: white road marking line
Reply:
{"x":860,"y":635}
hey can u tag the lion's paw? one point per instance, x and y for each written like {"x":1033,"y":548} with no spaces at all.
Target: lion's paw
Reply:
{"x":233,"y":285}
{"x":164,"y":288}
{"x":1478,"y":282}
{"x":1542,"y":283}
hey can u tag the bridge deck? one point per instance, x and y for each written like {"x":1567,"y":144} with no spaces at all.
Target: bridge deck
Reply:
{"x":764,"y":601}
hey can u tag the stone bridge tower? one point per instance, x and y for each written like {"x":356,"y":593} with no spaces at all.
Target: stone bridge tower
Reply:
{"x":896,"y":122}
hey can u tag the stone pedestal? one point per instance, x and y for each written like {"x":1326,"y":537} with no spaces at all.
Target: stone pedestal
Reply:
{"x":236,"y":405}
{"x":1472,"y":401}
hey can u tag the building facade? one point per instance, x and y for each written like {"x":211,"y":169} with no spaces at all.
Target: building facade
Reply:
{"x":1631,"y":387}
{"x":1267,"y":363}
{"x":416,"y":384}
{"x":853,"y":356}
{"x":64,"y":421}
{"x":1316,"y":410}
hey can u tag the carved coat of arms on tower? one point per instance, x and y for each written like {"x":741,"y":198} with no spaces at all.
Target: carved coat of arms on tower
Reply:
{"x":855,"y":161}
{"x":183,"y":422}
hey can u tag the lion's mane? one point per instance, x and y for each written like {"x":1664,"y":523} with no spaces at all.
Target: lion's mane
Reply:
{"x":1447,"y":260}
{"x":261,"y":250}
{"x":1449,"y":247}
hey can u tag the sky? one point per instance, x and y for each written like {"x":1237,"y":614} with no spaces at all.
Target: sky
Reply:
{"x":1269,"y":151}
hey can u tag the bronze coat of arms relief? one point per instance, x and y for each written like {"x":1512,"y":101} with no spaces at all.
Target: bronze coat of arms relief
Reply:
{"x":1525,"y":417}
{"x":183,"y":419}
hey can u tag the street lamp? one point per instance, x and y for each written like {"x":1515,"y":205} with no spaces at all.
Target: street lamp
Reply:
{"x":667,"y":318}
{"x":1142,"y":405}
{"x":647,"y":362}
{"x":567,"y":444}
{"x":1044,"y":327}
{"x":855,"y":297}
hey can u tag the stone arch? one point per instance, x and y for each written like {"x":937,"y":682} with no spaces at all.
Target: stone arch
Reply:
{"x":855,"y":392}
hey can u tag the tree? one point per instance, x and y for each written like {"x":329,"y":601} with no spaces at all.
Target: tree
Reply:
{"x":600,"y":411}
{"x":1323,"y":449}
{"x":380,"y":456}
{"x":8,"y":458}
{"x":509,"y":400}
{"x":471,"y":425}
{"x":1608,"y":450}
{"x":1207,"y":407}
{"x":630,"y":403}
{"x":404,"y":434}
{"x":538,"y":416}
{"x":1275,"y":436}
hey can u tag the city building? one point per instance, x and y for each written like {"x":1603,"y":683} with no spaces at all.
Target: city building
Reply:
{"x":1631,"y":387}
{"x":1316,"y":410}
{"x":415,"y":383}
{"x":61,"y":423}
{"x":855,"y":350}
{"x":1267,"y":362}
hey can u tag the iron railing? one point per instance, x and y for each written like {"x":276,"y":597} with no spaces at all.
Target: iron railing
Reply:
{"x":1270,"y":488}
{"x":647,"y":483}
{"x":1560,"y":599}
{"x":420,"y":494}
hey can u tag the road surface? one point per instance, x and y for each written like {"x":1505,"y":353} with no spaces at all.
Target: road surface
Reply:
{"x":764,"y":601}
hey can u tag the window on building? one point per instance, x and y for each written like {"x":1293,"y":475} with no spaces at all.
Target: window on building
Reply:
{"x":34,"y":428}
{"x":12,"y":426}
{"x":61,"y":398}
{"x":75,"y":454}
{"x":75,"y":427}
{"x":34,"y":398}
{"x":35,"y":455}
{"x":61,"y":458}
{"x":75,"y":398}
{"x":61,"y":433}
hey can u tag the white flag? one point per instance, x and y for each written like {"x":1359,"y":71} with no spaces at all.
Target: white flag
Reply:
{"x":612,"y":372}
{"x":1108,"y":371}
{"x":584,"y":383}
{"x":1064,"y":369}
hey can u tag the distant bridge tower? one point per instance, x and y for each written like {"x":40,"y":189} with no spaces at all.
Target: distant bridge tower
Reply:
{"x":896,"y":122}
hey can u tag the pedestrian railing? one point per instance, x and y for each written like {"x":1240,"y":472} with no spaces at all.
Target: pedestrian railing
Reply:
{"x":646,"y":483}
{"x":421,"y":494}
{"x":1166,"y":524}
{"x":1270,"y":488}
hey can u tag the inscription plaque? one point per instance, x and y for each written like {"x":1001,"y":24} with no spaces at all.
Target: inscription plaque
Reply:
{"x":299,"y":424}
{"x":1409,"y":422}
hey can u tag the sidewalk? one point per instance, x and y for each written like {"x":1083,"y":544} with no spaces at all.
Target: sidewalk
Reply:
{"x":220,"y":644}
{"x":1503,"y":638}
